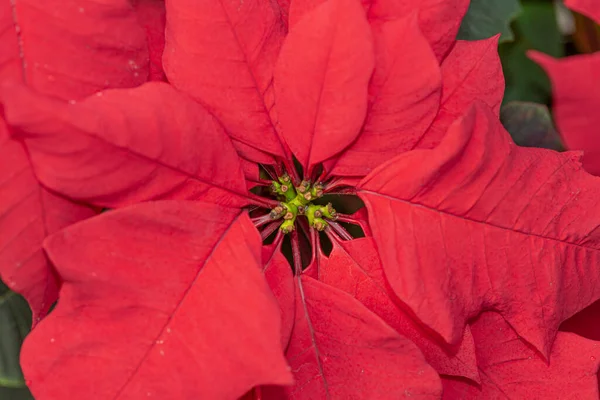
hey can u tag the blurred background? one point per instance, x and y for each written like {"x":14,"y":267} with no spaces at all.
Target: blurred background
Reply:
{"x":543,"y":25}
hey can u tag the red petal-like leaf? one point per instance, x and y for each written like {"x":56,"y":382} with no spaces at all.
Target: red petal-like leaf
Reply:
{"x":10,"y":61}
{"x":512,"y":369}
{"x":164,"y":300}
{"x":72,"y":48}
{"x":102,"y":45}
{"x":124,"y":146}
{"x":340,"y":350}
{"x":28,"y":213}
{"x":404,"y":94}
{"x":471,"y":72}
{"x":278,"y":274}
{"x":321,"y":80}
{"x":222,"y":52}
{"x":468,"y":226}
{"x":591,"y":8}
{"x":576,"y":88}
{"x":439,"y":19}
{"x":151,"y":16}
{"x":354,"y":267}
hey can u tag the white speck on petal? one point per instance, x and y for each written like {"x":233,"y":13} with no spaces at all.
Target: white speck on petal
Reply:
{"x":51,"y":340}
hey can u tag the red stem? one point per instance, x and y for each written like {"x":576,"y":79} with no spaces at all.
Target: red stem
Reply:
{"x":315,"y":242}
{"x":269,"y":230}
{"x":262,"y":201}
{"x":262,"y":220}
{"x":260,"y":182}
{"x":304,"y":226}
{"x":269,"y":171}
{"x":296,"y":253}
{"x":332,"y":235}
{"x":340,"y":230}
{"x":278,"y":239}
{"x":350,"y":219}
{"x":348,"y":190}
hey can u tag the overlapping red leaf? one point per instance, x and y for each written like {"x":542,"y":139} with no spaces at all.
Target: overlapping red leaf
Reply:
{"x":468,"y":226}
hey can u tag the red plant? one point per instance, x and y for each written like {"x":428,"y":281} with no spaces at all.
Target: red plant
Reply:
{"x":475,"y":250}
{"x":103,"y":47}
{"x":576,"y":94}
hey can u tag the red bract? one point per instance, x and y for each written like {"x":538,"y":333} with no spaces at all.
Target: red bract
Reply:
{"x":181,"y":304}
{"x":576,"y":100}
{"x":511,"y":369}
{"x":103,"y":47}
{"x":359,"y":97}
{"x":576,"y":95}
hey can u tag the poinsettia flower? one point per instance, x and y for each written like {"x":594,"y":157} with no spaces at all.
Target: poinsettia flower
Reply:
{"x":441,"y":219}
{"x":576,"y":94}
{"x":67,"y":49}
{"x":115,"y":265}
{"x":576,"y":98}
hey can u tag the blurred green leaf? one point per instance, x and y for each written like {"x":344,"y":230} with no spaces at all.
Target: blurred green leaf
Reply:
{"x":530,"y":125}
{"x":486,"y":18}
{"x":15,"y":394}
{"x":15,"y":323}
{"x":535,"y":28}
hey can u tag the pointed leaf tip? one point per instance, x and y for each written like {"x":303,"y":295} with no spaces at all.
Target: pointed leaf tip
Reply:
{"x":455,"y":216}
{"x":339,"y":349}
{"x":124,"y":146}
{"x":170,"y":283}
{"x":321,"y":80}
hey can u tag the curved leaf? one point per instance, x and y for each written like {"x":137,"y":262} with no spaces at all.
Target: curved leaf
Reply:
{"x":472,"y":72}
{"x":278,"y":274}
{"x":28,"y":213}
{"x":404,"y":97}
{"x":222,"y":52}
{"x":101,"y":46}
{"x":575,"y":86}
{"x":125,"y":146}
{"x":321,"y":80}
{"x":512,"y":369}
{"x":355,"y":268}
{"x":72,"y":48}
{"x":168,"y":292}
{"x":339,"y":350}
{"x":468,"y":227}
{"x":585,"y":7}
{"x":439,"y":20}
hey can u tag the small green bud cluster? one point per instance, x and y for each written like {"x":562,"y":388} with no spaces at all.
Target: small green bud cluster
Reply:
{"x":297,"y":201}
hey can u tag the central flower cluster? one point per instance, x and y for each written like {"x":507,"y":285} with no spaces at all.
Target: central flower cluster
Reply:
{"x":296,"y":201}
